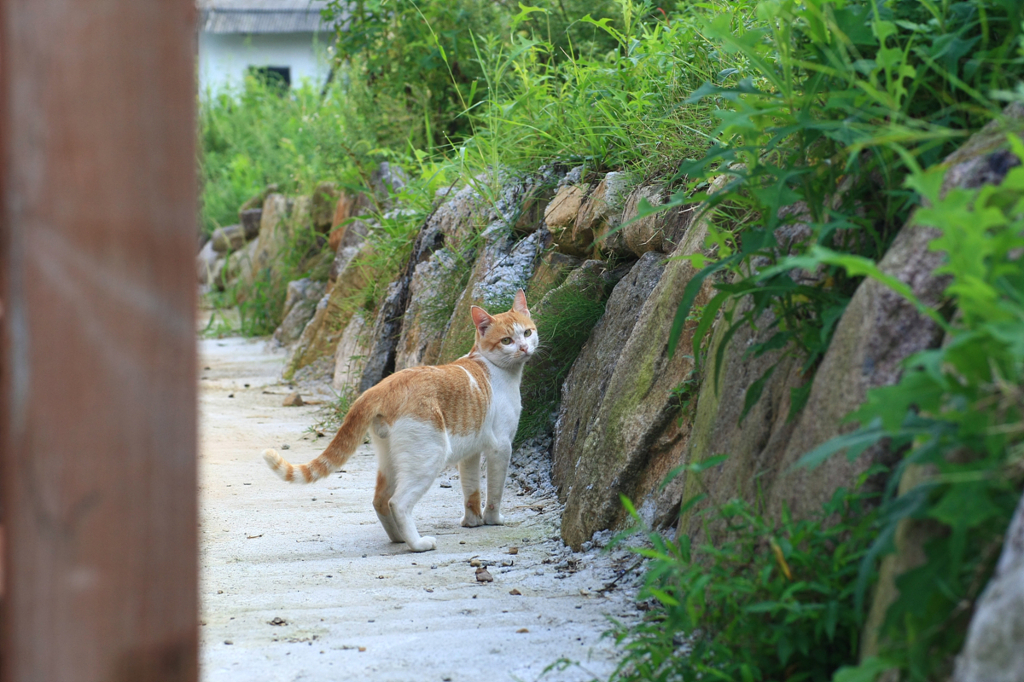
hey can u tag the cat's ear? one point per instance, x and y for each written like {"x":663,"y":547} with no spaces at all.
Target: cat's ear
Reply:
{"x":481,"y":319}
{"x":519,"y":304}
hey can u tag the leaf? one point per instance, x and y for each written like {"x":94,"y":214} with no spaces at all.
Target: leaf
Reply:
{"x":854,"y":443}
{"x":707,"y":318}
{"x":855,"y":266}
{"x":867,"y":671}
{"x":779,"y":558}
{"x":965,"y":506}
{"x":524,"y":14}
{"x":784,"y":649}
{"x":695,"y":467}
{"x":753,"y":393}
{"x":689,"y":295}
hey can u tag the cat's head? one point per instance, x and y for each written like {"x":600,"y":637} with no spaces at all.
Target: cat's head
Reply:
{"x":506,"y":339}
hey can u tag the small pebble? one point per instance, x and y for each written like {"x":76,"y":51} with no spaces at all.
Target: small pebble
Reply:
{"x":231,"y":395}
{"x":286,"y":447}
{"x":228,"y":641}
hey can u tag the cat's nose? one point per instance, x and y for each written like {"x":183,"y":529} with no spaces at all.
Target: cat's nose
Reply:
{"x":523,"y":349}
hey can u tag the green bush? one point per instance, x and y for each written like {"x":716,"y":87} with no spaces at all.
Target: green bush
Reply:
{"x":769,"y":601}
{"x":422,"y":65}
{"x":832,"y":104}
{"x":259,"y":136}
{"x":958,"y":411}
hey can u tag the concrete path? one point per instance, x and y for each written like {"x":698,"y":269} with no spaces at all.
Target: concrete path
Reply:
{"x":301,"y":582}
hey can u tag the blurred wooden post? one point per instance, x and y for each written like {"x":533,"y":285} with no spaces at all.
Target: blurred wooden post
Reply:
{"x":98,"y":411}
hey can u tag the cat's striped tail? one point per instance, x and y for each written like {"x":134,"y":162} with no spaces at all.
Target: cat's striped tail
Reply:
{"x":348,"y":438}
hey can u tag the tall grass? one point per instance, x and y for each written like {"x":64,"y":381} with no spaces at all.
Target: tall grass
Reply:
{"x":624,"y":108}
{"x":260,"y":135}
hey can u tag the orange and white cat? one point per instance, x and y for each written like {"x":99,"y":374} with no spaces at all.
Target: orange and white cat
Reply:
{"x":424,"y":419}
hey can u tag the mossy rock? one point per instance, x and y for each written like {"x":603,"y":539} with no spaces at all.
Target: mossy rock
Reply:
{"x":619,"y":425}
{"x":502,"y":267}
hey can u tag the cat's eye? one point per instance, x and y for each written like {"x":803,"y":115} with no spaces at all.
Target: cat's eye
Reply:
{"x":507,"y":340}
{"x":527,"y":332}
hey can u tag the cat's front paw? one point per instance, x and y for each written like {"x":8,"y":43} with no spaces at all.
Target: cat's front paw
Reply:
{"x":471,"y":520}
{"x":424,"y":544}
{"x":494,"y":518}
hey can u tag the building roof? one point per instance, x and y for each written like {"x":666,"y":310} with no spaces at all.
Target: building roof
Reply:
{"x":261,"y":16}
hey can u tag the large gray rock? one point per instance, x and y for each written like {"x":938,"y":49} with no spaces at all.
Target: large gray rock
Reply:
{"x":238,"y":266}
{"x":274,"y":234}
{"x":434,"y":290}
{"x":226,"y":239}
{"x":502,"y":267}
{"x":250,"y":220}
{"x":299,"y":306}
{"x":983,"y":159}
{"x":877,"y":332}
{"x":587,"y":382}
{"x":351,"y":354}
{"x":620,"y":424}
{"x":333,"y":311}
{"x":324,"y":202}
{"x":601,"y":213}
{"x":659,"y":231}
{"x":460,"y":216}
{"x":383,"y":339}
{"x":751,"y":445}
{"x":206,"y":263}
{"x":994,"y":650}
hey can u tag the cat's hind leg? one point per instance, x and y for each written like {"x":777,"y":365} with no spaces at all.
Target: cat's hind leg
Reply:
{"x":417,"y":455}
{"x":385,"y":483}
{"x":408,"y":492}
{"x":469,"y":475}
{"x":382,"y":505}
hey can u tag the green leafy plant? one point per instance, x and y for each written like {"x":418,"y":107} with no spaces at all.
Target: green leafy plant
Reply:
{"x":768,"y":601}
{"x":831,"y":105}
{"x":257,"y":136}
{"x":958,"y":412}
{"x":421,"y":65}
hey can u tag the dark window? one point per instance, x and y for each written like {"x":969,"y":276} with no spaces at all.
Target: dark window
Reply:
{"x":280,"y":76}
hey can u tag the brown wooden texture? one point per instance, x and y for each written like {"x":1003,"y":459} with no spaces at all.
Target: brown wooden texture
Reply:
{"x":98,"y":440}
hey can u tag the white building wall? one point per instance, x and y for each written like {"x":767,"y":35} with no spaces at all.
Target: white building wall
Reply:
{"x":224,"y":58}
